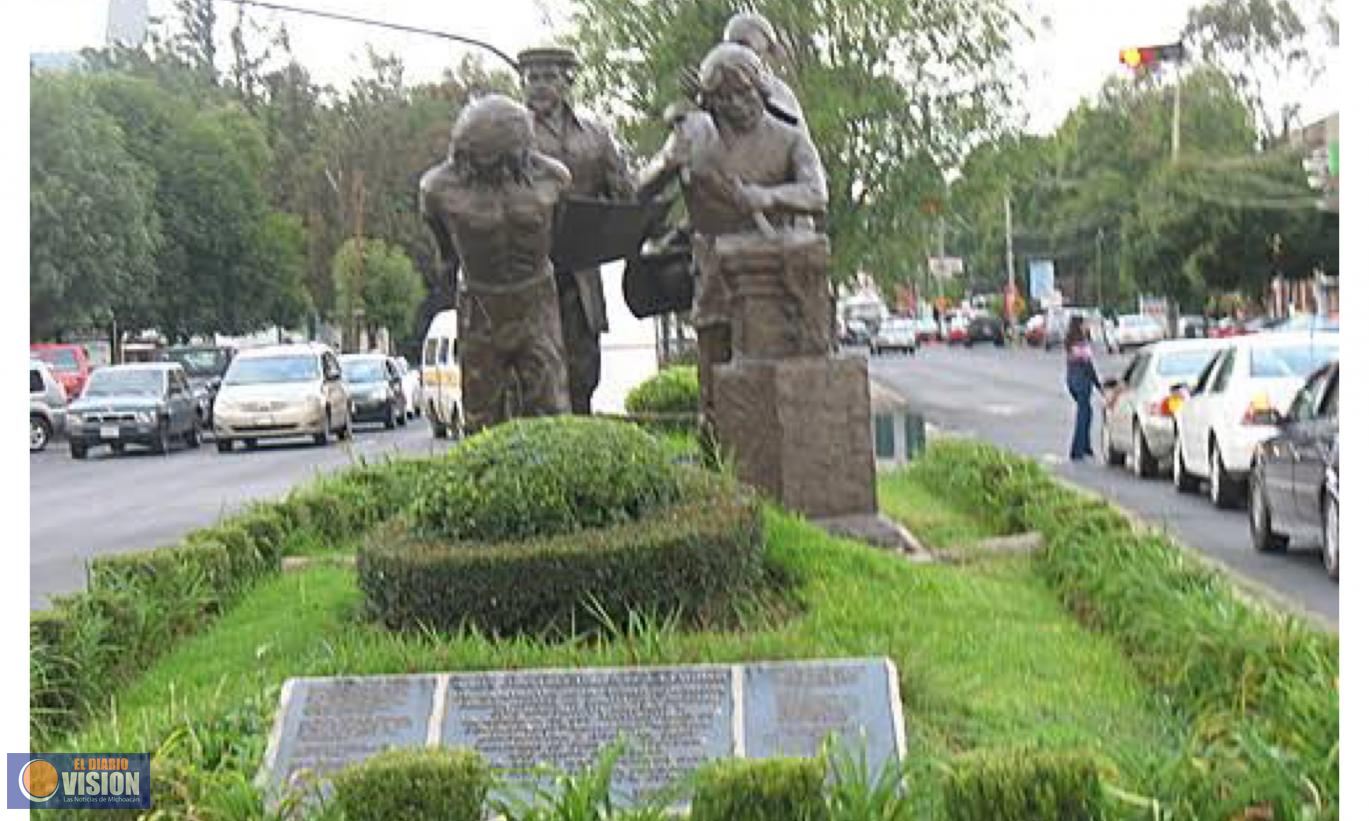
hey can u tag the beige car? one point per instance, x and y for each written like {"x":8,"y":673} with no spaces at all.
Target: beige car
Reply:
{"x":279,"y":392}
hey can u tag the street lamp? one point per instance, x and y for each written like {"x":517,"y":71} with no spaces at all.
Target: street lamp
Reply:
{"x":1146,"y":58}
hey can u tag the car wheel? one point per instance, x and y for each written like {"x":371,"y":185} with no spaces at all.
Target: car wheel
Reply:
{"x":1184,"y":482}
{"x":1221,"y":487}
{"x":40,"y":433}
{"x":78,"y":450}
{"x":1330,"y":536}
{"x":390,"y":417}
{"x":1262,"y":534}
{"x":403,"y":417}
{"x":344,"y":433}
{"x":224,"y":445}
{"x":321,"y":438}
{"x":1143,"y":462}
{"x":162,"y":444}
{"x":250,"y":444}
{"x":192,"y":436}
{"x":117,"y":447}
{"x":1110,"y":454}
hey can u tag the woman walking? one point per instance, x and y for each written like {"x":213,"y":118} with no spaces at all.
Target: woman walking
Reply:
{"x":1081,"y":379}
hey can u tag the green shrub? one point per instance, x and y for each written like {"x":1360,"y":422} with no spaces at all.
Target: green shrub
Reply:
{"x":760,"y":790}
{"x":414,"y":785}
{"x":1258,"y":687}
{"x":673,"y":390}
{"x":681,"y":559}
{"x":544,"y":477}
{"x":1023,"y":785}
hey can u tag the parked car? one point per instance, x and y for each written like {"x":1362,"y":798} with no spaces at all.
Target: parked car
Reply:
{"x":855,"y":331}
{"x":205,"y":365}
{"x":985,"y":328}
{"x":1225,"y":415}
{"x":1225,"y":328}
{"x":1191,"y":326}
{"x":1135,"y":330}
{"x":928,"y":330}
{"x":1138,"y":416}
{"x":413,"y":386}
{"x":1295,"y":481}
{"x":1306,"y":322}
{"x":47,"y":406}
{"x":375,"y":388}
{"x":69,"y":364}
{"x":957,"y":329}
{"x":282,"y":391}
{"x":895,"y":334}
{"x":148,"y":404}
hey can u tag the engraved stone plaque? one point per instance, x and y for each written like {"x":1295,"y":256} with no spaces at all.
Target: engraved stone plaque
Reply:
{"x":672,"y":720}
{"x":327,"y":723}
{"x":792,"y":707}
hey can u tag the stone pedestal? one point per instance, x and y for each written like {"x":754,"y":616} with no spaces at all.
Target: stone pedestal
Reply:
{"x":799,"y":429}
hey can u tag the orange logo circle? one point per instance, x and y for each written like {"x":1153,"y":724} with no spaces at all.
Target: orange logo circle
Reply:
{"x":38,"y":780}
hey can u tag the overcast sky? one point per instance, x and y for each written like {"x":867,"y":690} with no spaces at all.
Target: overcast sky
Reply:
{"x":1068,"y":61}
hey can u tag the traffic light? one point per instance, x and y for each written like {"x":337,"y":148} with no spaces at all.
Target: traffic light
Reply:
{"x":1135,"y":57}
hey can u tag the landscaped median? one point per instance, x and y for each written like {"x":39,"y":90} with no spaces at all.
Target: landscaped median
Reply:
{"x":1029,"y":685}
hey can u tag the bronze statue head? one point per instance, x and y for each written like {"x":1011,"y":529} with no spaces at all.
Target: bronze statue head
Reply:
{"x":730,"y":79}
{"x":755,"y":32}
{"x":491,"y":139}
{"x":547,"y":74}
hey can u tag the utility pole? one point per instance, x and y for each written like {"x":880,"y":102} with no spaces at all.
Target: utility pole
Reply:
{"x":940,"y":250}
{"x":1007,"y":239}
{"x":1100,"y":268}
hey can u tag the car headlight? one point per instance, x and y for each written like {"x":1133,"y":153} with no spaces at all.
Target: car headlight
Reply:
{"x":75,"y":418}
{"x":145,"y":417}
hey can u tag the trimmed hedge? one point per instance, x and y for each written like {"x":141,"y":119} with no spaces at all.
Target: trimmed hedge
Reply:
{"x":414,"y":785}
{"x":138,"y":604}
{"x":1258,"y":687}
{"x":1023,"y":785}
{"x":544,"y":477}
{"x":761,"y":790}
{"x":681,"y":559}
{"x":673,"y":390}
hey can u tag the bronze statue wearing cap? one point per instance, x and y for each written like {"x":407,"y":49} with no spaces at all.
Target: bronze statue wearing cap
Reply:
{"x":492,"y":205}
{"x":598,"y":170}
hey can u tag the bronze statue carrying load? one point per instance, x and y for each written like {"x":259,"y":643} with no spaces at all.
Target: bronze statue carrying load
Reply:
{"x":492,"y":205}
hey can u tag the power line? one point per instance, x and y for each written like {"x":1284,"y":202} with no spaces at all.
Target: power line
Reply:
{"x":382,"y":24}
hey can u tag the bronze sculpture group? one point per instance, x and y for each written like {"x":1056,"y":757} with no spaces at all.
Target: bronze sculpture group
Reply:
{"x":754,"y":189}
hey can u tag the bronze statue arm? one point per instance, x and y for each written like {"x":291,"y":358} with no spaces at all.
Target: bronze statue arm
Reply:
{"x":662,"y":169}
{"x":807,"y":194}
{"x":447,"y":257}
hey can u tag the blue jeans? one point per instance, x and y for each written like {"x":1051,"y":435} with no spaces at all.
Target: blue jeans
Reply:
{"x":1080,"y":446}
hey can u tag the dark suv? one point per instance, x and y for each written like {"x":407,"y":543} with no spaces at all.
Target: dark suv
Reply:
{"x":985,"y":328}
{"x":145,"y":404}
{"x":205,"y":366}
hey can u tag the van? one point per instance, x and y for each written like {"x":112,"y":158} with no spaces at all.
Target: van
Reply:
{"x":440,"y":376}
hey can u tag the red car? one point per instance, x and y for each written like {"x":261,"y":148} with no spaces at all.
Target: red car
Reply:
{"x":69,"y":364}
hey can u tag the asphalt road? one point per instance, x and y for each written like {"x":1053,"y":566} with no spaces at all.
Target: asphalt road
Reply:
{"x":113,"y":504}
{"x":1016,"y":398}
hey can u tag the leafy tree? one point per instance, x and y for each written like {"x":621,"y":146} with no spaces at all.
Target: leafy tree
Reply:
{"x":377,"y":281}
{"x":93,"y":227}
{"x":894,"y":93}
{"x":1263,"y":44}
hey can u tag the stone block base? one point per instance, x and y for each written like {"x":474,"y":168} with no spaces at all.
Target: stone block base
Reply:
{"x":799,"y":429}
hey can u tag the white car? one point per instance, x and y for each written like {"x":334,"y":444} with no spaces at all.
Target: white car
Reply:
{"x":413,"y":387}
{"x":1138,"y":416}
{"x":1227,"y":413}
{"x":895,"y":333}
{"x":1135,"y":330}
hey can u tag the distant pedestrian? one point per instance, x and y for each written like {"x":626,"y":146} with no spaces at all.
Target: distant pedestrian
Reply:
{"x":1081,"y":378}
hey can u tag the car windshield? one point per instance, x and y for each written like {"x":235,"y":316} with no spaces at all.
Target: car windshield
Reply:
{"x":1290,"y":360}
{"x":209,"y":362}
{"x":1183,"y":363}
{"x":363,"y":370}
{"x":272,"y":369}
{"x":61,"y":359}
{"x":121,"y":382}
